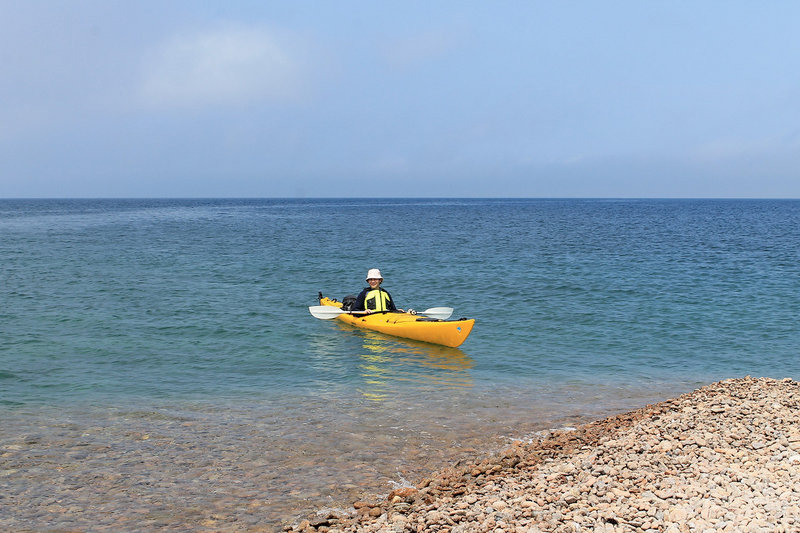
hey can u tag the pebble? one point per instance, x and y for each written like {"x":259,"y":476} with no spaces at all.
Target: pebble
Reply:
{"x":722,"y":458}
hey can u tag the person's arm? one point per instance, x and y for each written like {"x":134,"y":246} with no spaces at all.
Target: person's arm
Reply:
{"x":359,"y":304}
{"x":391,"y":305}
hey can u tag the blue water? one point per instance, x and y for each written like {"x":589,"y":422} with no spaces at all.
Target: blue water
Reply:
{"x":582,"y":306}
{"x":132,"y":298}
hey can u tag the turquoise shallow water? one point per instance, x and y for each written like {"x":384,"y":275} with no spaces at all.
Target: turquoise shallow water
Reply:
{"x":125,"y":308}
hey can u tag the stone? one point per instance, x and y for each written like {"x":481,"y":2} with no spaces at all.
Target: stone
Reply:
{"x":406,"y":494}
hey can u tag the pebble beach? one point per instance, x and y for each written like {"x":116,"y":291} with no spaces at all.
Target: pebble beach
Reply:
{"x":725,"y":457}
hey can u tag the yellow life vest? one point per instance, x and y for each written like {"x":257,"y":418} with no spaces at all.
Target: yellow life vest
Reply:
{"x":377,"y":300}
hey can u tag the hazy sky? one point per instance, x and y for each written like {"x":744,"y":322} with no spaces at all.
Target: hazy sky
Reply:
{"x":262,"y":98}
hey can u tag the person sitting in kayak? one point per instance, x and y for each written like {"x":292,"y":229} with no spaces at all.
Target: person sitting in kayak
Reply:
{"x":374,"y":299}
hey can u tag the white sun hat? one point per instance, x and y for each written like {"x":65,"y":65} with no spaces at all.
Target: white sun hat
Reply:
{"x":374,"y":273}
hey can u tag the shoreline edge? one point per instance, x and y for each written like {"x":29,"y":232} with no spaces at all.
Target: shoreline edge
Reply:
{"x":724,"y":457}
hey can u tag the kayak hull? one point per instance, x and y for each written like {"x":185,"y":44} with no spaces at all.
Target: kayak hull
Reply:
{"x":445,"y":332}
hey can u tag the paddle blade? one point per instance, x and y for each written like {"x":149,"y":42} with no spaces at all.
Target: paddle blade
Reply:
{"x":325,"y":312}
{"x":442,"y":313}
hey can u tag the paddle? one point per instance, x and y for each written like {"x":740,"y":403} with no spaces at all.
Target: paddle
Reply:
{"x":327,"y":312}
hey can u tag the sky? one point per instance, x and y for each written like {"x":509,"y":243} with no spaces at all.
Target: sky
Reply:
{"x":193,"y":98}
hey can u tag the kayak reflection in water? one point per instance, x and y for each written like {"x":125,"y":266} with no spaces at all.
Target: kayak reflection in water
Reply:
{"x":389,"y":367}
{"x":374,"y":299}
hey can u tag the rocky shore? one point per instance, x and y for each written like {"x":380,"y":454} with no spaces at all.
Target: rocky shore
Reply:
{"x":725,"y":457}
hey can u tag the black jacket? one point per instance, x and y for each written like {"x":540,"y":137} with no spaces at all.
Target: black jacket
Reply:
{"x":359,"y":305}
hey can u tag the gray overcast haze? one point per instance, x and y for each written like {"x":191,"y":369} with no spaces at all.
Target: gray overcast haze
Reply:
{"x":105,"y":98}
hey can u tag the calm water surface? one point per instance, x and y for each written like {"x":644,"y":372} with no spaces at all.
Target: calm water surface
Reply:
{"x":162,"y":351}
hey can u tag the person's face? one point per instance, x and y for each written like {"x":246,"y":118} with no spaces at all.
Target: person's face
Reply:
{"x":373,"y":283}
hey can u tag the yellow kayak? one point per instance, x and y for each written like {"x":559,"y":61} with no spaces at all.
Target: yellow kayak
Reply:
{"x":446,"y":332}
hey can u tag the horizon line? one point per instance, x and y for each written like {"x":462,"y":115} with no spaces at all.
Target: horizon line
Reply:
{"x":84,"y":198}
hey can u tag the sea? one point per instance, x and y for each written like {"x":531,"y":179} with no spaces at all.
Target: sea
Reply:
{"x":160,"y":369}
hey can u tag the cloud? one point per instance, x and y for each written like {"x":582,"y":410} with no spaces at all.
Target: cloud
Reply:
{"x":423,"y":47}
{"x":732,"y":148}
{"x":220,"y":67}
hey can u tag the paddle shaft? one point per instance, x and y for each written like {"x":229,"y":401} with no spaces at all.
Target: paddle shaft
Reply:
{"x":326,"y":312}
